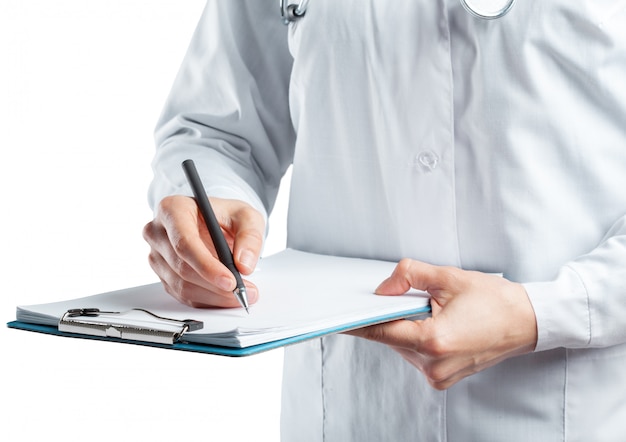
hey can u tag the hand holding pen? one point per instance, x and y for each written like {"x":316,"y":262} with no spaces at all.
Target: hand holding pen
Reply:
{"x":182,"y":252}
{"x":215,"y":230}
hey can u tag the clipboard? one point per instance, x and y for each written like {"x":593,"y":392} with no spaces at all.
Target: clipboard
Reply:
{"x":182,"y":345}
{"x":147,"y":315}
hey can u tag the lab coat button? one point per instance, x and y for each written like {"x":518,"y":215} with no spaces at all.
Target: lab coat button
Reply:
{"x":427,"y":160}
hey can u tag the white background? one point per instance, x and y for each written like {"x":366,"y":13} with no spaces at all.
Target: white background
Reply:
{"x":82,"y":83}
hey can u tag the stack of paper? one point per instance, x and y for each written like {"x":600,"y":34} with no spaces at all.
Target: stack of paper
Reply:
{"x":302,"y":295}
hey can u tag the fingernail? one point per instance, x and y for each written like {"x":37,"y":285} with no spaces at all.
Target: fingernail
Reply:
{"x":225,"y":283}
{"x":380,"y":289}
{"x":247,"y":259}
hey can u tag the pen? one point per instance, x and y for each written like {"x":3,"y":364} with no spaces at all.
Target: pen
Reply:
{"x":221,"y":246}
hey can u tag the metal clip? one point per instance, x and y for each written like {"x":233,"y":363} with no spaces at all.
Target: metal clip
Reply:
{"x":136,"y":324}
{"x":292,"y":12}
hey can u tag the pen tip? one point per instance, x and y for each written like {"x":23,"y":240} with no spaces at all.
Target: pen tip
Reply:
{"x":247,"y":310}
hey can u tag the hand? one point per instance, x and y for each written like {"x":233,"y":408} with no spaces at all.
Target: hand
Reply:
{"x":477,"y":321}
{"x":183,"y":256}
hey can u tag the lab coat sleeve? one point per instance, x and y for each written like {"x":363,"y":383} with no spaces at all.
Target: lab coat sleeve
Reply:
{"x":228,"y":108}
{"x":585,"y":306}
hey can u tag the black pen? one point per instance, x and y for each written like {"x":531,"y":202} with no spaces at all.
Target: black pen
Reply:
{"x":221,"y":246}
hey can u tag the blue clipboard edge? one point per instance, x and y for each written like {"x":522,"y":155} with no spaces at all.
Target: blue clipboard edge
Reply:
{"x":220,"y":350}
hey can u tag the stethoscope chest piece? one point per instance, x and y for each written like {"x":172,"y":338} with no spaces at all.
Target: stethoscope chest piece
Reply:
{"x":488,"y":9}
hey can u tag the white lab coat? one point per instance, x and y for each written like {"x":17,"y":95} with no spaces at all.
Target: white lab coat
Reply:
{"x":427,"y":133}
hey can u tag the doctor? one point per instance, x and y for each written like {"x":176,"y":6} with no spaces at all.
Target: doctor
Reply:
{"x":456,"y":146}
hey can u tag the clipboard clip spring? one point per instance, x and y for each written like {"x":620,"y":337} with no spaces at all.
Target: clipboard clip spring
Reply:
{"x":136,"y":324}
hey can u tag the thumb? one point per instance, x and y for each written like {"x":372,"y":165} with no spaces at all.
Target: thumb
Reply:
{"x":400,"y":280}
{"x":413,"y":274}
{"x":249,"y":228}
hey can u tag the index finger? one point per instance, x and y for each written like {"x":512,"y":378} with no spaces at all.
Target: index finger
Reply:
{"x":401,"y":333}
{"x":189,"y":239}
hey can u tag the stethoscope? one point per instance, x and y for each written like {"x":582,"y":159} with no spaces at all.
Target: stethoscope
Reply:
{"x":486,"y":9}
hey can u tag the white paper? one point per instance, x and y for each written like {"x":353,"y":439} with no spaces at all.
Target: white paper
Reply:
{"x":299,"y":293}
